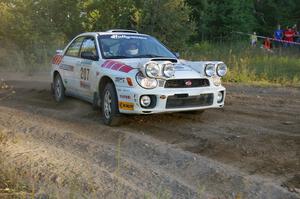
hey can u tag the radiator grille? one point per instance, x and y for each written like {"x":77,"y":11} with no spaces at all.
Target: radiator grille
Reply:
{"x":189,"y":102}
{"x":186,"y":83}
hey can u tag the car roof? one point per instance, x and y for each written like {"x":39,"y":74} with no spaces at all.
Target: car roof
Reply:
{"x":113,"y":31}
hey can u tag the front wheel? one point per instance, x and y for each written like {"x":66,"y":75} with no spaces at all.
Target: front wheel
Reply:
{"x":58,"y":89}
{"x":109,"y":104}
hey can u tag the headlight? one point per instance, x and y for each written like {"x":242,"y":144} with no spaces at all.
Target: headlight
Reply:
{"x":168,"y":69}
{"x":152,"y":69}
{"x":221,"y":69}
{"x":210,"y":70}
{"x":146,"y":82}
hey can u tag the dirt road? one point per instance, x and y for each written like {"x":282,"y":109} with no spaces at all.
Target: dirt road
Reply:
{"x":249,"y":149}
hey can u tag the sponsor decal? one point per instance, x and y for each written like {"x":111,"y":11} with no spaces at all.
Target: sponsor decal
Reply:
{"x":128,"y":106}
{"x":85,"y":85}
{"x":127,"y":37}
{"x":125,"y":97}
{"x":125,"y":90}
{"x":125,"y":69}
{"x":120,"y":79}
{"x":67,"y":67}
{"x":118,"y":66}
{"x":57,"y":59}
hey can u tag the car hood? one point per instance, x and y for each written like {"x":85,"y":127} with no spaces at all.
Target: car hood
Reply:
{"x":139,"y":62}
{"x":183,"y":68}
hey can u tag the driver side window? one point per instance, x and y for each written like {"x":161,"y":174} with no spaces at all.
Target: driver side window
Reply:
{"x":89,"y":46}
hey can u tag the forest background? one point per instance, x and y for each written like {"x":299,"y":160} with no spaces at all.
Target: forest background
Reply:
{"x":31,"y":31}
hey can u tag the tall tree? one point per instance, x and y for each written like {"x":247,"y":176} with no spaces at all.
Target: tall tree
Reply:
{"x":221,"y":17}
{"x":269,"y":13}
{"x":169,"y":20}
{"x":198,"y":12}
{"x":102,"y":15}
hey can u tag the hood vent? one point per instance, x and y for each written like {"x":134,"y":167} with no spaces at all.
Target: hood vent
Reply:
{"x":165,"y":59}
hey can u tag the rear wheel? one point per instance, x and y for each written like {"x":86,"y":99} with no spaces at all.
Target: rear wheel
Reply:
{"x":109,"y":104}
{"x":59,"y":89}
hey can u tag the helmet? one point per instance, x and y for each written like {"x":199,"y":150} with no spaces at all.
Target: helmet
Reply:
{"x":131,"y":49}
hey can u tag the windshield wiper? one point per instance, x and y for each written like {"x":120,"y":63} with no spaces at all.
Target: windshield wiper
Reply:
{"x":148,"y":56}
{"x":138,"y":56}
{"x":117,"y":57}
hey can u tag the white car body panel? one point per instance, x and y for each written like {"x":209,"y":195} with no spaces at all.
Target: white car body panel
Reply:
{"x":118,"y":70}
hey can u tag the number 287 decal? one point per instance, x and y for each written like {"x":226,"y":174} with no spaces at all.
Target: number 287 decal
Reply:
{"x":84,"y":73}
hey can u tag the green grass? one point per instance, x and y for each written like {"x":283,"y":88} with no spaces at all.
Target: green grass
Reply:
{"x":246,"y":64}
{"x":251,"y":65}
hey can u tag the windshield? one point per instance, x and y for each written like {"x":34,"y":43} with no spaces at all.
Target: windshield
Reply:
{"x":118,"y":46}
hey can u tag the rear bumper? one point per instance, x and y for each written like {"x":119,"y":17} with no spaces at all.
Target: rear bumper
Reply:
{"x":171,"y":100}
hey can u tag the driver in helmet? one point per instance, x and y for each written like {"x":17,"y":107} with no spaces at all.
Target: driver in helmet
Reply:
{"x":131,"y":49}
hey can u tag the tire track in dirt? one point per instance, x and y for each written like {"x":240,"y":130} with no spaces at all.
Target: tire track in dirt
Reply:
{"x":103,"y":155}
{"x":266,"y":147}
{"x":63,"y":174}
{"x":167,"y":150}
{"x":67,"y":142}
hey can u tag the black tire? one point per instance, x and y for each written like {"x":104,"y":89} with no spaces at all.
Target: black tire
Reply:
{"x":58,"y":88}
{"x":109,"y":104}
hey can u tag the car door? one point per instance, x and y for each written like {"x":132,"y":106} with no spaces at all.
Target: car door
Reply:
{"x":69,"y":65}
{"x":89,"y":57}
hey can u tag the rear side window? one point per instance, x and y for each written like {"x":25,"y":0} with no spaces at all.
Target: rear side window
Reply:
{"x":74,"y":48}
{"x":89,"y":45}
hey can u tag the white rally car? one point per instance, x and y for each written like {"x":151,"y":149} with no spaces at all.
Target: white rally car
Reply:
{"x":125,"y":72}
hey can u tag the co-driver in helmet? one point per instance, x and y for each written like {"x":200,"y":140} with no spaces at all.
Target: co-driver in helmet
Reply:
{"x":131,"y":49}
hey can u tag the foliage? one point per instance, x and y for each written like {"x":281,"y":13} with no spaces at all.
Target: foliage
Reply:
{"x":249,"y":65}
{"x":104,"y":15}
{"x":31,"y":30}
{"x":220,"y":17}
{"x":167,"y":20}
{"x":269,"y":13}
{"x":35,"y":28}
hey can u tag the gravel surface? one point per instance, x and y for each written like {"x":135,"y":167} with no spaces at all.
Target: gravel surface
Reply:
{"x":248,"y":149}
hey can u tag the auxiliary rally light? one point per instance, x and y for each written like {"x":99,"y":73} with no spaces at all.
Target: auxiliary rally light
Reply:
{"x":145,"y":101}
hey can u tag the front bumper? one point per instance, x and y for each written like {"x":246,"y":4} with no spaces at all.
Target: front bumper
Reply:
{"x":187,"y":99}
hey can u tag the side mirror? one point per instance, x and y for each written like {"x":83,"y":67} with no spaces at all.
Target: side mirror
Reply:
{"x":59,"y":51}
{"x":89,"y":55}
{"x":177,"y":54}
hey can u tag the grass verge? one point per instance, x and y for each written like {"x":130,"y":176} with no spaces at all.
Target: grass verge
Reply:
{"x":251,"y":65}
